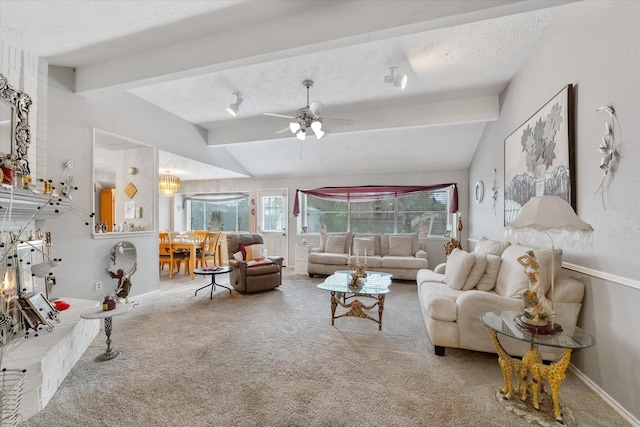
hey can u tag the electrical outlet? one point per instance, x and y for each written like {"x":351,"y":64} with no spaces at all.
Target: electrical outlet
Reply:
{"x":98,"y":286}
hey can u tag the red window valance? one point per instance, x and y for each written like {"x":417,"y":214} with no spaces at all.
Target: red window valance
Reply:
{"x":367,"y":193}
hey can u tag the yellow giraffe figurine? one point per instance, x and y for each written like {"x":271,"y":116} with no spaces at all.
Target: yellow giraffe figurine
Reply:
{"x":554,"y":374}
{"x":509,"y":366}
{"x":531,"y":357}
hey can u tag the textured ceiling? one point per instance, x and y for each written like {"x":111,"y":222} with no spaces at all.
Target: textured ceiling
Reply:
{"x":188,"y":57}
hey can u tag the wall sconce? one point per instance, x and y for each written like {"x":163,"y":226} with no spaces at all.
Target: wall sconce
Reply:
{"x":397,"y":80}
{"x":235,"y":107}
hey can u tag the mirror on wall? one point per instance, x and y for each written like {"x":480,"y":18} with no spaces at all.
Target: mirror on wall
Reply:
{"x":124,"y":185}
{"x":15,"y":135}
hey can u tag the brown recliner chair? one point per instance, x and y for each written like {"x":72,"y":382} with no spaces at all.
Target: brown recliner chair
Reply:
{"x":245,"y":278}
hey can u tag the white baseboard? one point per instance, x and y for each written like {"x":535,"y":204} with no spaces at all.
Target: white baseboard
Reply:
{"x":604,"y":396}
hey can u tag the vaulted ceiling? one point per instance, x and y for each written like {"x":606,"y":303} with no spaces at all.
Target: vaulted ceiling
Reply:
{"x":189,"y":57}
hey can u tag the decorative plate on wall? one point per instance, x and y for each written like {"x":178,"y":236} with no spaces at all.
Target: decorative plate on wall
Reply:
{"x":130,"y":190}
{"x":478,"y":192}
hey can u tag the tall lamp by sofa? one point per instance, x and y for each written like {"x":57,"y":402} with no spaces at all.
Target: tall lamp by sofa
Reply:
{"x":549,"y":217}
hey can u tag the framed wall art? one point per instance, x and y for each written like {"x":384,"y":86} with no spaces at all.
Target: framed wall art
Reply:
{"x":539,"y":156}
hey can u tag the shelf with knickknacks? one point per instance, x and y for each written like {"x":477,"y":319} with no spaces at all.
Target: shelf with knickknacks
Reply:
{"x":23,"y":207}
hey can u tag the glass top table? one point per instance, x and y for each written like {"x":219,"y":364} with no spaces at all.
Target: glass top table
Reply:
{"x":503,"y":322}
{"x":375,"y":285}
{"x":569,"y":339}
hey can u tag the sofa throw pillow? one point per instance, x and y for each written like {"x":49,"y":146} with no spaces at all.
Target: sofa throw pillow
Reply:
{"x":476,"y":272}
{"x":243,"y":248}
{"x":400,"y":245}
{"x":255,"y":251}
{"x":488,"y":280}
{"x":376,"y":241}
{"x":512,"y":279}
{"x":325,"y":236}
{"x":238,"y":256}
{"x":335,"y":244}
{"x":488,"y":246}
{"x":459,"y":265}
{"x":363,"y":245}
{"x":385,"y":239}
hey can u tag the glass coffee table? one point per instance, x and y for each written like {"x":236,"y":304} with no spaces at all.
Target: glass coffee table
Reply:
{"x":375,"y":285}
{"x":571,"y":338}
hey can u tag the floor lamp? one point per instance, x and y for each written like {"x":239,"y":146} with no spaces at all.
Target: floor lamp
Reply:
{"x":549,"y":217}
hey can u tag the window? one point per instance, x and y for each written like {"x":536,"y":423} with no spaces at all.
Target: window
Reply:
{"x":273,"y":214}
{"x":426,"y":212}
{"x":224,"y":214}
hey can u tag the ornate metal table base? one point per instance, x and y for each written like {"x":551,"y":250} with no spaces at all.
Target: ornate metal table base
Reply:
{"x":109,"y":353}
{"x":356,"y":307}
{"x":531,"y":364}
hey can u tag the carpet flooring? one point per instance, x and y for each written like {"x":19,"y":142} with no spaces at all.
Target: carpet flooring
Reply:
{"x":273,"y":359}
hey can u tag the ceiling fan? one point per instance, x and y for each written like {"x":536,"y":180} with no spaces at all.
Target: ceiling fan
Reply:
{"x":307,"y":117}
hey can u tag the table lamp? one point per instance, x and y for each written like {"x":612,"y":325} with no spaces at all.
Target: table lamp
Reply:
{"x":549,"y":217}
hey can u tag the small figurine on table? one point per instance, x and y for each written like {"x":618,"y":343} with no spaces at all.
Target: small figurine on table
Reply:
{"x":537,"y":310}
{"x":124,"y":282}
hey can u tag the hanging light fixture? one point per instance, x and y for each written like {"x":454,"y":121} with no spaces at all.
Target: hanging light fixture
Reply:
{"x":235,"y":107}
{"x":168,"y":183}
{"x":317,"y":128}
{"x":397,"y":80}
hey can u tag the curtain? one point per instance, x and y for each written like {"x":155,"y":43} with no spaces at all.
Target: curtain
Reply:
{"x":368,"y":193}
{"x":213,"y":197}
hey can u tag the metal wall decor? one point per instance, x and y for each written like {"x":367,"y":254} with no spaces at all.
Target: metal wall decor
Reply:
{"x":610,"y":152}
{"x":20,"y":102}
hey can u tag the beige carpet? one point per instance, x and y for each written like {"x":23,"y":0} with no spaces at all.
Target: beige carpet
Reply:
{"x":273,"y":359}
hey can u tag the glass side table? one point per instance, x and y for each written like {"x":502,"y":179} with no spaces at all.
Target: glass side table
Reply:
{"x":569,"y":339}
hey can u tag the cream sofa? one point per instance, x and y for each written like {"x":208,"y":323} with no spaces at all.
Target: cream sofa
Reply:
{"x":455,"y":295}
{"x":398,"y":254}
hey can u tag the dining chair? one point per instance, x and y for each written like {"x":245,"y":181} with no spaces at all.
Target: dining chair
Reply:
{"x":209,"y":249}
{"x":170,"y":256}
{"x":200,"y":235}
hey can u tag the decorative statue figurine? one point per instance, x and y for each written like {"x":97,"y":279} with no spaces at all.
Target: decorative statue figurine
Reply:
{"x":124,"y":282}
{"x":537,"y":310}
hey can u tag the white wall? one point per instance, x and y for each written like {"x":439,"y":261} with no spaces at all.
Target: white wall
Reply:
{"x":595,"y":45}
{"x":71,"y":119}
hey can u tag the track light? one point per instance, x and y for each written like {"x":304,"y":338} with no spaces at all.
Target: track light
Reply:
{"x":235,"y":107}
{"x":398,"y":80}
{"x":317,"y":129}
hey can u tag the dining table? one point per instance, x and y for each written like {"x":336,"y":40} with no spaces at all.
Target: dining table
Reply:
{"x":192,"y":246}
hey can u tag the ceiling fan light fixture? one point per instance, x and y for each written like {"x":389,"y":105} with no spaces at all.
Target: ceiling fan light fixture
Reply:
{"x":397,"y":80}
{"x":235,"y":107}
{"x":301,"y":135}
{"x":317,"y":128}
{"x":294,"y":127}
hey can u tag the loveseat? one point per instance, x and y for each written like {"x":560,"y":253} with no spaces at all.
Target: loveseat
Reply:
{"x":252,"y":269}
{"x":398,"y":254}
{"x":454,"y":296}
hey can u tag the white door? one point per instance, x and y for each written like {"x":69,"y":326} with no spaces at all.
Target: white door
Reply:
{"x":272,"y":221}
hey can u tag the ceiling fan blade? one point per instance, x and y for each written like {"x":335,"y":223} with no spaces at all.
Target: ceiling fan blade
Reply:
{"x":283,"y":130}
{"x":279,"y":115}
{"x":315,"y":107}
{"x":347,"y":122}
